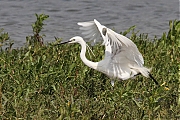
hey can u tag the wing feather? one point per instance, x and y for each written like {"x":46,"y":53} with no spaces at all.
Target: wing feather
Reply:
{"x":85,"y":24}
{"x":121,"y":48}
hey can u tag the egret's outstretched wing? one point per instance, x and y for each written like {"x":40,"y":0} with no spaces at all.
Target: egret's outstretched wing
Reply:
{"x":121,"y":48}
{"x":124,"y":49}
{"x":90,"y":31}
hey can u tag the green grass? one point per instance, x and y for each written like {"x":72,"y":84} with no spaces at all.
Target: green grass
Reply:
{"x":41,"y":81}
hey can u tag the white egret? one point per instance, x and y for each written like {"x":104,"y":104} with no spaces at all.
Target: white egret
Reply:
{"x":122,"y":58}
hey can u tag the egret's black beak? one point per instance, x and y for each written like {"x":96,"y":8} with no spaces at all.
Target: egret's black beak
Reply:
{"x":64,"y":42}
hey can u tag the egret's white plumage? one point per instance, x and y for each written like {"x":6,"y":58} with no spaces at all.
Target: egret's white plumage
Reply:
{"x":122,"y":58}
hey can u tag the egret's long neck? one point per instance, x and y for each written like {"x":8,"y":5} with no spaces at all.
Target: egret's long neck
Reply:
{"x":84,"y":59}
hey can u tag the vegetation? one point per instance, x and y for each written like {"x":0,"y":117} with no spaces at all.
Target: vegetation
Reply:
{"x":41,"y":81}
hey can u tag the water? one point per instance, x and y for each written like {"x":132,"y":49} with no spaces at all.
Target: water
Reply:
{"x":150,"y":16}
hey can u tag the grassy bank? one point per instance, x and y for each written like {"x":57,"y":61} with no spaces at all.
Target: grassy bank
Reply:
{"x":46,"y":81}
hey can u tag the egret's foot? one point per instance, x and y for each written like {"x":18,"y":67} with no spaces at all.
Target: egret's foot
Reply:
{"x":112,"y":83}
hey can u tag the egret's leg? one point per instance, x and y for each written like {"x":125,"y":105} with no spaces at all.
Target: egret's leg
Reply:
{"x":112,"y":83}
{"x":153,"y":79}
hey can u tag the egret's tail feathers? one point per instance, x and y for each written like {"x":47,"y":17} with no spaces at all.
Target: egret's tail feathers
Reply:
{"x":143,"y":70}
{"x":146,"y":72}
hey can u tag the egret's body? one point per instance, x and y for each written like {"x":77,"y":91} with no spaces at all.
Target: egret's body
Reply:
{"x":122,"y":58}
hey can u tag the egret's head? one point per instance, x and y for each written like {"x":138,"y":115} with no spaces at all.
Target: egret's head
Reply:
{"x":76,"y":39}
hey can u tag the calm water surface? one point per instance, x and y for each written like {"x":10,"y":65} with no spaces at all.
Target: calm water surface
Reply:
{"x":150,"y":16}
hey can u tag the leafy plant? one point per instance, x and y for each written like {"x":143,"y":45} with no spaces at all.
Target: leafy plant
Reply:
{"x":37,"y":39}
{"x":5,"y":42}
{"x":51,"y":82}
